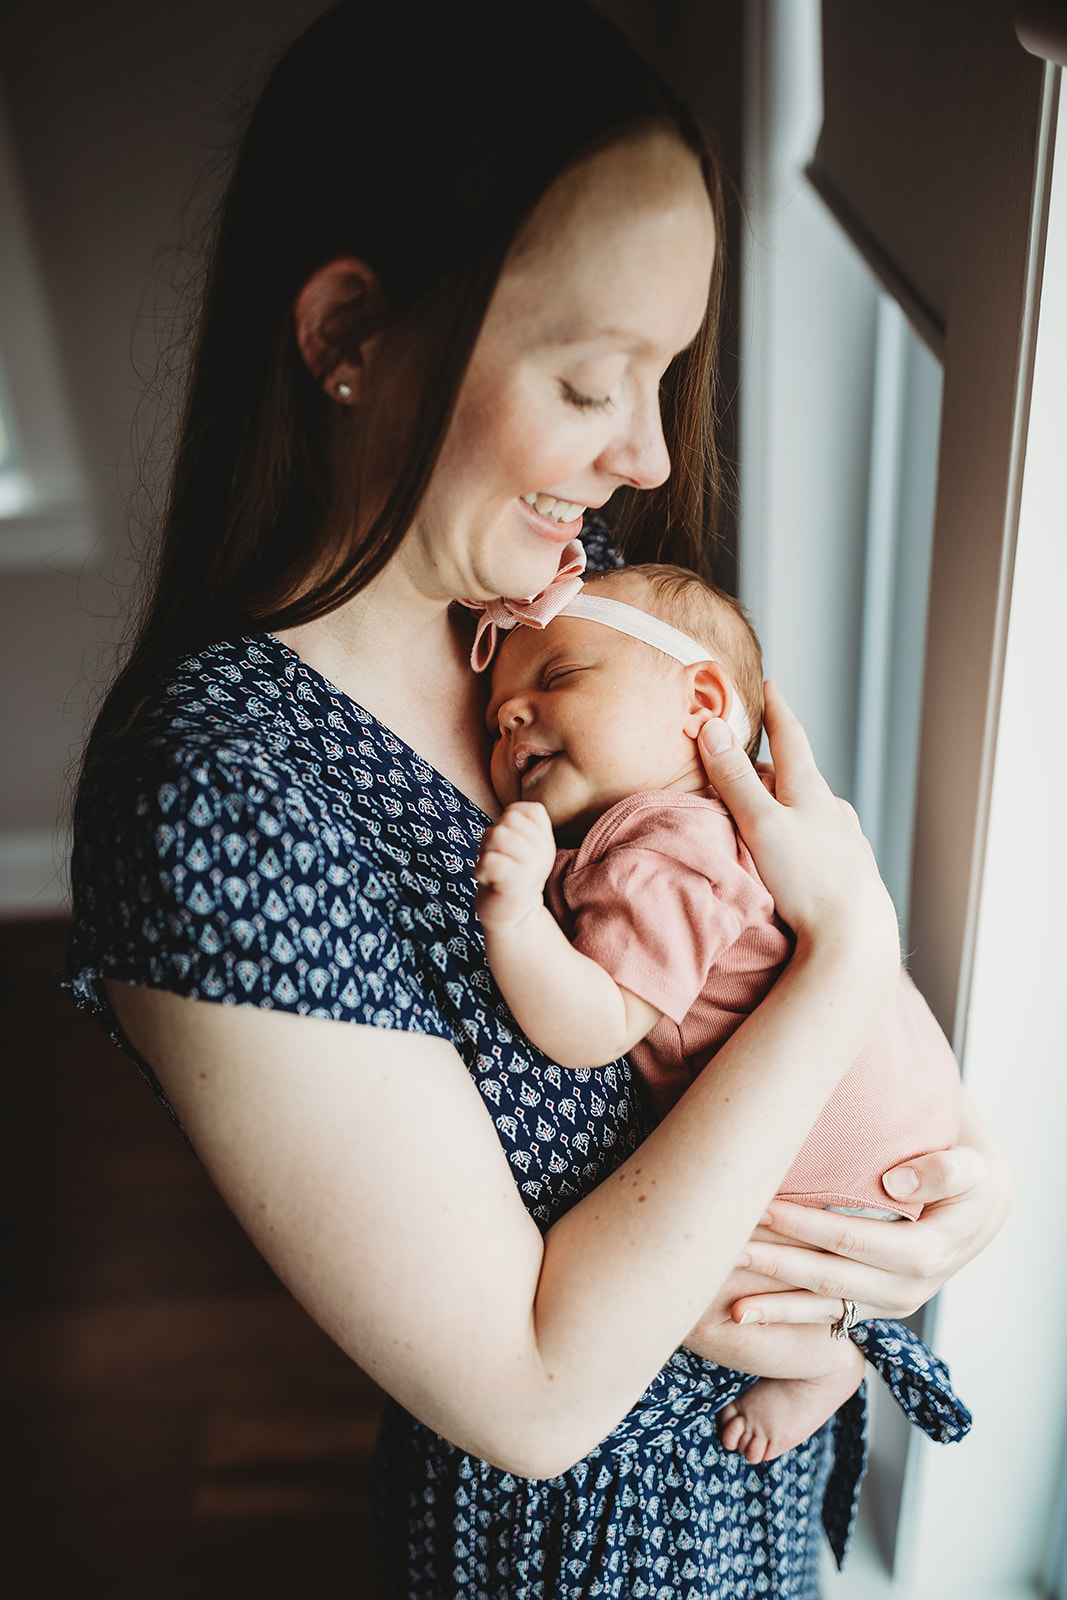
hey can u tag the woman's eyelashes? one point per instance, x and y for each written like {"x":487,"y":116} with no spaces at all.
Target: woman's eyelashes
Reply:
{"x":585,"y":402}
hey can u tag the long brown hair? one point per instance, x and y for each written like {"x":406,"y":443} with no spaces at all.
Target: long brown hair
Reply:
{"x":371,"y":139}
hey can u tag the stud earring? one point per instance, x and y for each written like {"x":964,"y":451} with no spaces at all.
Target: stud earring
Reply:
{"x":344,"y":391}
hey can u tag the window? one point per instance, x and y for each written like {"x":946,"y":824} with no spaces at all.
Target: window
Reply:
{"x":44,"y":511}
{"x":839,"y":479}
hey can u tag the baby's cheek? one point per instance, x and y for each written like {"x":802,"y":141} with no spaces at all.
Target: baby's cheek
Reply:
{"x":502,"y":775}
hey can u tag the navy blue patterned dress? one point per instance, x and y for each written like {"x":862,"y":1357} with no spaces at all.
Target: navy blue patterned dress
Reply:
{"x":264,"y":841}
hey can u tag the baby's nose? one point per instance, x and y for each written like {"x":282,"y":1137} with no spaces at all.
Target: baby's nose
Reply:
{"x":513,"y":714}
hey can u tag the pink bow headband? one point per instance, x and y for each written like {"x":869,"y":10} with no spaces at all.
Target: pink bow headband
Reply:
{"x":563,"y":597}
{"x":499,"y":616}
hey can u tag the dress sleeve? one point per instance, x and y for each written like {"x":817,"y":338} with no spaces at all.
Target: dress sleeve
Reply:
{"x":223,"y":884}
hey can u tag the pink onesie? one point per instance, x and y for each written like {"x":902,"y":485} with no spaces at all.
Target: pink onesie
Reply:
{"x":662,"y":893}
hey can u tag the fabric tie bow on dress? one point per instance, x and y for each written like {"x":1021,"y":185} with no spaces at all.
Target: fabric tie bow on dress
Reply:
{"x":537,"y":612}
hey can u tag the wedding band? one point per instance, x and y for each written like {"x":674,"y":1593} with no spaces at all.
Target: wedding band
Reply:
{"x":846,"y":1321}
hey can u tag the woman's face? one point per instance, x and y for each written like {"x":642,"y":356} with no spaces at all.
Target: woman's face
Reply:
{"x":606,"y":284}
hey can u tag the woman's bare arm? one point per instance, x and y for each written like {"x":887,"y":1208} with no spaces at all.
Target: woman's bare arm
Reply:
{"x":365,"y":1166}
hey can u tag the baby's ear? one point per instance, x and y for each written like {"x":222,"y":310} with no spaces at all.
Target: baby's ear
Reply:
{"x":708,"y":695}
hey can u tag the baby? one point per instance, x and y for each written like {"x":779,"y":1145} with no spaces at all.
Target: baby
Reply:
{"x":661,"y":937}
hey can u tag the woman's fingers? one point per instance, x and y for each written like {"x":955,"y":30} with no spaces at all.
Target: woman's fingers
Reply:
{"x":733,"y":776}
{"x":858,"y":1238}
{"x":808,"y":848}
{"x":892,"y":1266}
{"x":888,"y":1268}
{"x":829,"y":1279}
{"x":797,"y":1307}
{"x":791,"y":754}
{"x":886,"y":1246}
{"x":943,"y":1176}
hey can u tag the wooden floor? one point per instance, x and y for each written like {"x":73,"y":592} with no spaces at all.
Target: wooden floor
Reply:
{"x":172,"y":1424}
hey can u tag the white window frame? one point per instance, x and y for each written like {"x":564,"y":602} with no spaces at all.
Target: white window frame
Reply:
{"x":45,"y":513}
{"x":978,"y":1521}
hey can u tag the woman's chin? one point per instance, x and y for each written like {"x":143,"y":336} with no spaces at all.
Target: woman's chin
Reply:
{"x":524,"y":577}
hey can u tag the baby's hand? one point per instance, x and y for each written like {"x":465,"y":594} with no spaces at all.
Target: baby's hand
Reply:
{"x":516,"y":857}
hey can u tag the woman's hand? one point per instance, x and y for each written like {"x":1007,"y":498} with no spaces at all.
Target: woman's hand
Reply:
{"x":807,"y":845}
{"x":782,"y":1350}
{"x":889,"y":1269}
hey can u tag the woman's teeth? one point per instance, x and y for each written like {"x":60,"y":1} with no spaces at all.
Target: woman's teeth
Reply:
{"x":556,"y":510}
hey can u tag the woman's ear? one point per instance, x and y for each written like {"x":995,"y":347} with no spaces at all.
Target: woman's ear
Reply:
{"x":708,"y":695}
{"x":337,"y":315}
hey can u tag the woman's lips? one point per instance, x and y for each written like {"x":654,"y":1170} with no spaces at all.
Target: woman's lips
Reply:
{"x":555,"y":532}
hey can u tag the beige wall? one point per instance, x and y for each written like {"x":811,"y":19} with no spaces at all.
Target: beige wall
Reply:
{"x":110,"y":107}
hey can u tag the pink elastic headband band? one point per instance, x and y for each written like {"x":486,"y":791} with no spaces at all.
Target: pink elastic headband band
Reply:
{"x":637,"y":624}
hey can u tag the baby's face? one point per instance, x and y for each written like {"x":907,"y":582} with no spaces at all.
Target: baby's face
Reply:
{"x":582,"y":716}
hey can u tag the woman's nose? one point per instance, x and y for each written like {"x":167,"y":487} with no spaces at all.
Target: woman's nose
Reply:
{"x":639,"y":455}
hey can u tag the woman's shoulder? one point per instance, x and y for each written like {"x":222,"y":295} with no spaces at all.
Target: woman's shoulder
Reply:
{"x":255,"y":830}
{"x":245,"y":702}
{"x":215,"y":745}
{"x":247,"y":723}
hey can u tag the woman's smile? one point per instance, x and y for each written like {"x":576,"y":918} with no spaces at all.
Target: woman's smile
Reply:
{"x":557,"y":520}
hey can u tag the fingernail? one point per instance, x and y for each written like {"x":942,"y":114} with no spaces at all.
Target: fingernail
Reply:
{"x":716,"y":736}
{"x":766,"y":1220}
{"x":749,"y":1317}
{"x":744,"y":1260}
{"x":900,"y":1183}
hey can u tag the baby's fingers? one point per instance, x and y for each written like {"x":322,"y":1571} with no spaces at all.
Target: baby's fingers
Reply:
{"x":530,"y":820}
{"x":492,"y":866}
{"x":519,"y":830}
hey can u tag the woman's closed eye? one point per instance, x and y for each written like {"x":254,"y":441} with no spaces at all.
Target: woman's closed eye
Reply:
{"x":585,"y":402}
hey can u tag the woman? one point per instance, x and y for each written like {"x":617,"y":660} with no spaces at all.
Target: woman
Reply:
{"x":442,"y":320}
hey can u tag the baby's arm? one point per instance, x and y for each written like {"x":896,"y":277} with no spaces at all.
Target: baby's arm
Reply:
{"x":563,"y":1001}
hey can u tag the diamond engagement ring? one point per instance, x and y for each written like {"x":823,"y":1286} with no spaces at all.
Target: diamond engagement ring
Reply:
{"x":846,"y":1321}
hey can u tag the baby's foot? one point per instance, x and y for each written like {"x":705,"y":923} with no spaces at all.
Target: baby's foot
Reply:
{"x":777,"y":1414}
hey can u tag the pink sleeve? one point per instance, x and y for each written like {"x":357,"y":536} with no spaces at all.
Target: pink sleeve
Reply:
{"x":654,"y":923}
